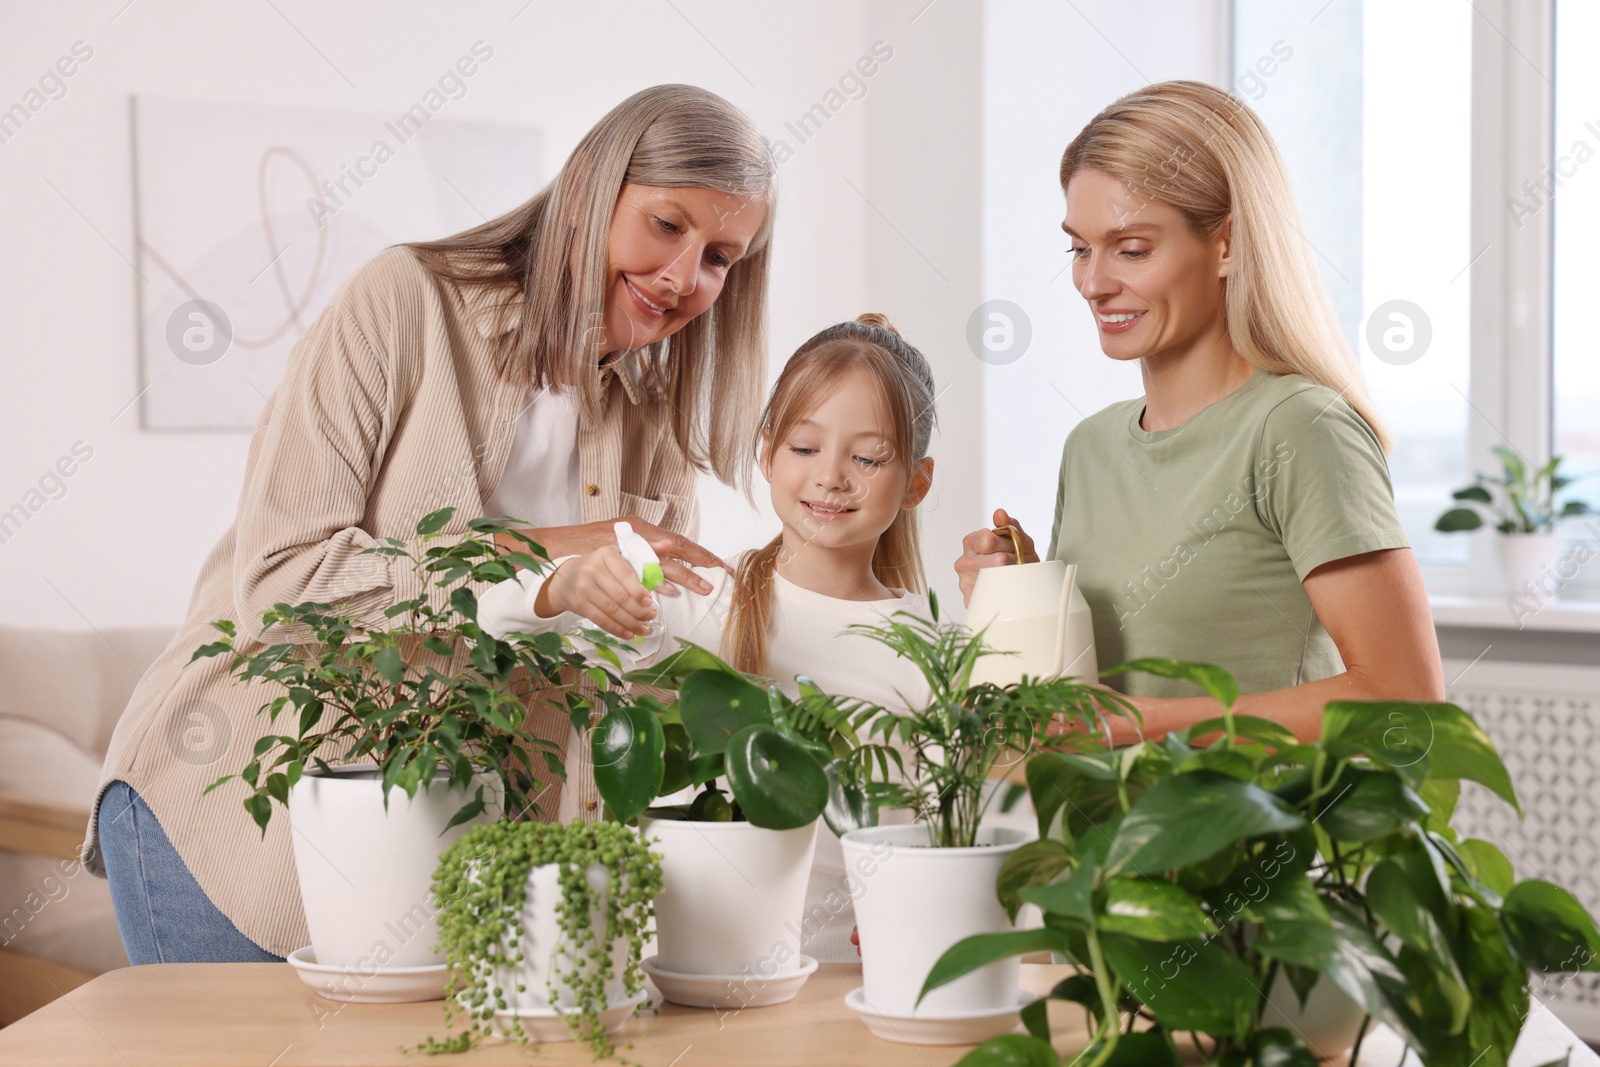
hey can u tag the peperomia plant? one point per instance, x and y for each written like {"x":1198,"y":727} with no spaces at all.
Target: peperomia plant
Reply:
{"x":1189,"y":877}
{"x":965,"y":732}
{"x":430,"y":694}
{"x":1529,"y":504}
{"x":778,"y":756}
{"x":482,"y":884}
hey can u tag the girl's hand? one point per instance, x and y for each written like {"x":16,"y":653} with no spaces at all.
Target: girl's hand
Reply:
{"x":561,"y":541}
{"x":985,"y":548}
{"x":602,"y":587}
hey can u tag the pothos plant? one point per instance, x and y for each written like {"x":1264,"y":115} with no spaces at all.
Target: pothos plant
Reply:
{"x":965,"y":732}
{"x":751,"y":752}
{"x":1521,"y":501}
{"x":1186,"y":877}
{"x":431,"y":693}
{"x":482,"y":883}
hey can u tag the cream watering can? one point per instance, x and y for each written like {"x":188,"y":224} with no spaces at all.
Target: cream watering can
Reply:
{"x":1036,"y":611}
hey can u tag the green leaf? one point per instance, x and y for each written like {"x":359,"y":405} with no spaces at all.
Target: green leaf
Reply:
{"x":1249,"y":728}
{"x":627,"y":747}
{"x":778,"y":784}
{"x":465,"y":602}
{"x":1487,"y":864}
{"x":1012,"y":1050}
{"x":1548,"y":929}
{"x":849,"y":807}
{"x":469,"y":811}
{"x":1147,"y":1048}
{"x":1071,"y":898}
{"x":1152,"y":911}
{"x":1369,"y":804}
{"x":1473,"y":492}
{"x":670,"y":671}
{"x":389,"y":664}
{"x":260,"y":808}
{"x":675,"y":757}
{"x":1208,"y":676}
{"x":1398,"y":906}
{"x":1035,"y":863}
{"x":715,"y":706}
{"x":1458,"y":520}
{"x":1418,"y":740}
{"x":434,"y":521}
{"x":1187,"y":985}
{"x":1192,"y":816}
{"x":1279,"y":1047}
{"x":1363,"y":968}
{"x":980,"y":950}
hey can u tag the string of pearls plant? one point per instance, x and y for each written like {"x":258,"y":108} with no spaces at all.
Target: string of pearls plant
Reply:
{"x":481,"y":886}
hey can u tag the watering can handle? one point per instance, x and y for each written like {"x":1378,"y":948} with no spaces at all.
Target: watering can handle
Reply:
{"x":1016,"y":538}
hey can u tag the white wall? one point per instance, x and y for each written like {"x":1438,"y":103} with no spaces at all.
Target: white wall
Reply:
{"x":934,"y":191}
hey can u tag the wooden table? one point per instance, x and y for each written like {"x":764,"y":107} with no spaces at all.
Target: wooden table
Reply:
{"x":260,"y":1015}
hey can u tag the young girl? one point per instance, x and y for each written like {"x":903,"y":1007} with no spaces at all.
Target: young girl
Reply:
{"x":843,"y":441}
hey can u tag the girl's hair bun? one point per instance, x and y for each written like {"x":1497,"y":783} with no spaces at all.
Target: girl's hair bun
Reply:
{"x":872,"y":318}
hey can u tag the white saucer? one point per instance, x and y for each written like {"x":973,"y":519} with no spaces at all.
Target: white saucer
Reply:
{"x":548,"y":1026}
{"x":369,"y":985}
{"x":728,"y":990}
{"x":951,"y":1028}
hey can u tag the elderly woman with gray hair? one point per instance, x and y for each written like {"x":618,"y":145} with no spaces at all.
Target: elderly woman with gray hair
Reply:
{"x":554,"y":364}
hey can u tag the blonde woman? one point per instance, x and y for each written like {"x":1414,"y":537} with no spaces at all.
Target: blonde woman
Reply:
{"x":554,"y":364}
{"x":1240,"y":512}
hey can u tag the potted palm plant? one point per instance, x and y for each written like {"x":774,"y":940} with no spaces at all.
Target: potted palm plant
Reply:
{"x":1223,"y":882}
{"x":920,"y":888}
{"x":759,"y":768}
{"x":1522,"y":505}
{"x":385,"y":744}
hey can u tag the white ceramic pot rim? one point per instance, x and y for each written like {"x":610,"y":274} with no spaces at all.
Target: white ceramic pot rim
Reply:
{"x":914,"y":837}
{"x":718,"y":827}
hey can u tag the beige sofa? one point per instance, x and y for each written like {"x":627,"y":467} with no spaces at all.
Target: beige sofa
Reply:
{"x":61,"y":693}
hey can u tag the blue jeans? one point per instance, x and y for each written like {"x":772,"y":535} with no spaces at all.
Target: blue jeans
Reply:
{"x":163,"y":914}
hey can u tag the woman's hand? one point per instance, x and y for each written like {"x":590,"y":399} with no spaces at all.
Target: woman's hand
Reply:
{"x":603,"y":588}
{"x":985,"y":548}
{"x":672,"y":548}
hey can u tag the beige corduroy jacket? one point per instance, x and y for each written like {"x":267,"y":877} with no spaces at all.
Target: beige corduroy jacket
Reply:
{"x":390,"y":408}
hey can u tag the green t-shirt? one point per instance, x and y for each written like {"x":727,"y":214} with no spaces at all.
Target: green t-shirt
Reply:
{"x":1192,"y":542}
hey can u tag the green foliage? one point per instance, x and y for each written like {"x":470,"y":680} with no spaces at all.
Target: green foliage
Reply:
{"x":431,"y":696}
{"x":1521,"y":500}
{"x":966,"y":732}
{"x":482,"y":883}
{"x":1186,"y":879}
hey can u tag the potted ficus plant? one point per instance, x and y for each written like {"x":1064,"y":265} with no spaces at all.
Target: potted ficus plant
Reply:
{"x":1522,"y":505}
{"x":1216,"y":883}
{"x":393,"y":740}
{"x":737,"y":855}
{"x":543,"y":925}
{"x":922,"y":887}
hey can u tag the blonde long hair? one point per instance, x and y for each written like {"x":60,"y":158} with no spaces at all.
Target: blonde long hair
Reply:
{"x":1203,"y":152}
{"x":903,"y":382}
{"x":667,"y":135}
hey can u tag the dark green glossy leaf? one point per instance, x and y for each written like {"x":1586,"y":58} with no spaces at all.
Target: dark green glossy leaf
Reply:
{"x":1402,"y":735}
{"x":980,"y":950}
{"x":627,"y":748}
{"x":778,"y":784}
{"x":434,"y":521}
{"x":1035,"y":863}
{"x":1278,"y":1047}
{"x":1548,"y":929}
{"x":1363,"y":968}
{"x":1012,"y":1050}
{"x":1457,"y":520}
{"x":1188,"y":985}
{"x":1148,"y":1048}
{"x":675,"y":758}
{"x":715,"y":706}
{"x":1249,"y":728}
{"x":671,"y":670}
{"x":1187,"y":818}
{"x":1488,"y":864}
{"x":1369,"y":804}
{"x":849,"y":807}
{"x":1399,"y":907}
{"x":1071,"y":898}
{"x":1152,"y":911}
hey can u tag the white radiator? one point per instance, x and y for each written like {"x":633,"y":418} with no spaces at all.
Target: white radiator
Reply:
{"x":1545,"y":720}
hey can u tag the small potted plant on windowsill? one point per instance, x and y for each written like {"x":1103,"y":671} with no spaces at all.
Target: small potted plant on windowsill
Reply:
{"x":1522,"y":505}
{"x":429,"y":708}
{"x":543,"y":925}
{"x":920,"y":888}
{"x":762,"y":768}
{"x":1211,"y":886}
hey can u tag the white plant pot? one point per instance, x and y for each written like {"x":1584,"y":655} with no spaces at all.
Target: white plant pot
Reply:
{"x":1328,"y":1023}
{"x":366,"y":874}
{"x":548,"y":956}
{"x":732,"y":896}
{"x":1530,"y":558}
{"x":913,"y":902}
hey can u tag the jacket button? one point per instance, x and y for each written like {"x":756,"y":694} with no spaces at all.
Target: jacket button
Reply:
{"x":590,"y":806}
{"x":592,"y":489}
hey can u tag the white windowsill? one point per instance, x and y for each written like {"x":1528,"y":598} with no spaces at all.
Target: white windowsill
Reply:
{"x":1487,"y":612}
